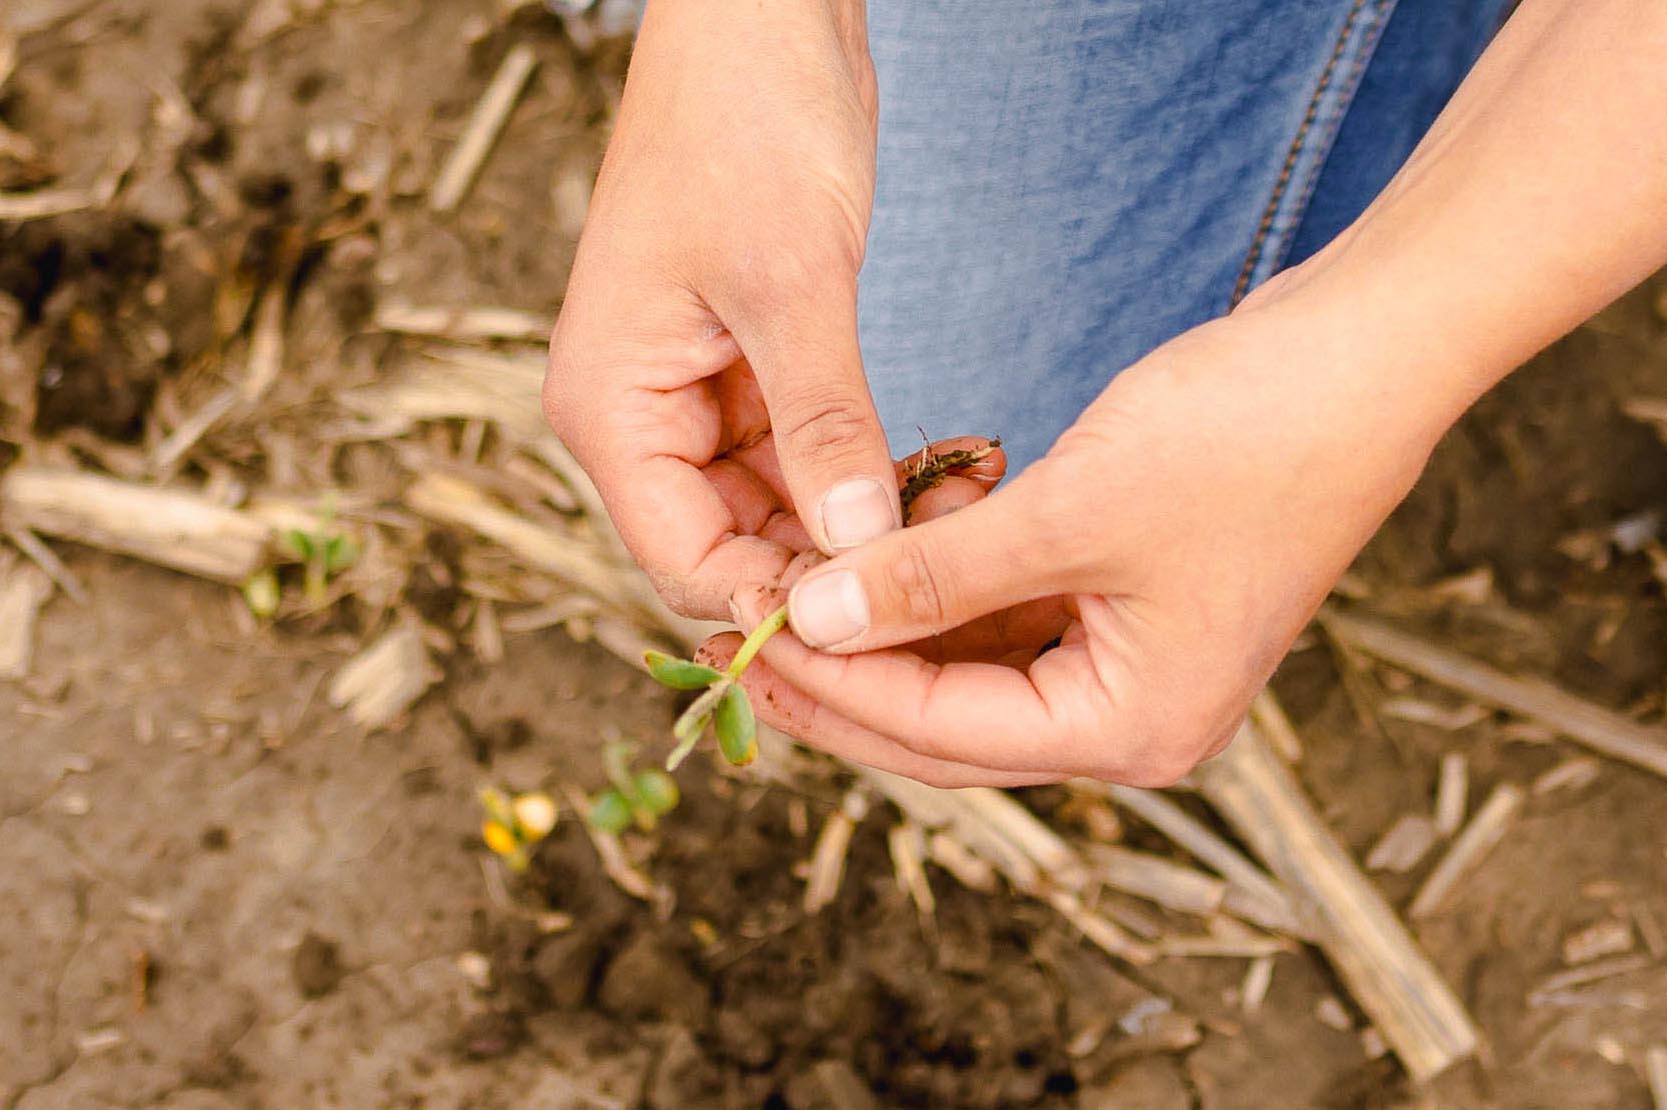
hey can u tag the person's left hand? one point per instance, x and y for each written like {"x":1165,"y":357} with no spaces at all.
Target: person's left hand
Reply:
{"x":1174,"y":542}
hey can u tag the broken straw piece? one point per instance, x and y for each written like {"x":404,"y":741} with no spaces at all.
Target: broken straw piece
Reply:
{"x":485,"y":126}
{"x":1393,"y":982}
{"x":1165,"y":882}
{"x":24,"y":588}
{"x":1452,"y":791}
{"x":1571,"y":774}
{"x":1655,"y":1069}
{"x":1603,"y":730}
{"x":908,"y":863}
{"x":1257,"y":978}
{"x":1479,"y":837}
{"x":173,"y":528}
{"x":464,"y":324}
{"x":1249,"y":885}
{"x":1402,"y":847}
{"x":1270,"y":717}
{"x":386,"y":678}
{"x":827,"y":862}
{"x":1609,"y":937}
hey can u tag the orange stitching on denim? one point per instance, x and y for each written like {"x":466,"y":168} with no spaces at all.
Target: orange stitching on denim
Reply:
{"x":1368,"y":48}
{"x":1272,"y":211}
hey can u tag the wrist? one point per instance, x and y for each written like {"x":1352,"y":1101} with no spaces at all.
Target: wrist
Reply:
{"x":1395,"y":345}
{"x":792,"y":39}
{"x":845,"y":20}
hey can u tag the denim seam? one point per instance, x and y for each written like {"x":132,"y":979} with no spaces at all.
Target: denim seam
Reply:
{"x":1304,"y":160}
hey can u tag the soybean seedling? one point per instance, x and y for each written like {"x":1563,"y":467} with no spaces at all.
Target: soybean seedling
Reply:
{"x":514,"y":826}
{"x":637,"y":798}
{"x":323,"y":552}
{"x":723,"y":705}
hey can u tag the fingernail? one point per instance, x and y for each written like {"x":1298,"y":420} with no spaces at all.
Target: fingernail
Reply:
{"x":855,"y":512}
{"x":829,"y":609}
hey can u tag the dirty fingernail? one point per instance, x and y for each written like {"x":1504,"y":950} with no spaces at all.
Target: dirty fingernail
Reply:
{"x":828,"y":609}
{"x":855,"y":512}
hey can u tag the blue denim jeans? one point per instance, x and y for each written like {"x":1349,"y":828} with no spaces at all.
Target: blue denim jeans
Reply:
{"x":1066,"y":184}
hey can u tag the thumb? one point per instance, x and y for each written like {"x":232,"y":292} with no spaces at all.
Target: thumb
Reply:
{"x":925,"y":580}
{"x":828,"y":437}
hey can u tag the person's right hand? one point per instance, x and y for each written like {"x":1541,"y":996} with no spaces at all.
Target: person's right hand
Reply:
{"x":705,"y":368}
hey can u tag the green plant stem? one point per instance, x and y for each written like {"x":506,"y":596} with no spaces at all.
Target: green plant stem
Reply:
{"x":773,"y":623}
{"x":616,"y":761}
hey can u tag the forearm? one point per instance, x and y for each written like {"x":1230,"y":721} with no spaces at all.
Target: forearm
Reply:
{"x":1539,"y":196}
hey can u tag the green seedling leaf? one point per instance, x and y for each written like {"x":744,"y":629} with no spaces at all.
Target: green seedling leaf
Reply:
{"x":610,"y":812}
{"x":736,"y":727}
{"x":340,"y":552}
{"x":657,"y":792}
{"x":679,"y":674}
{"x":298,"y":544}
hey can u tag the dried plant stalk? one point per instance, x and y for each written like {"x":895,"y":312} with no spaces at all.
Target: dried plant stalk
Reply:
{"x":1156,"y":879}
{"x":1251,"y":895}
{"x":170,"y":527}
{"x":1270,"y":717}
{"x":464,"y":324}
{"x":1403,"y":845}
{"x":452,"y":500}
{"x":827,"y":862}
{"x":24,"y":588}
{"x":908,"y":862}
{"x":1397,"y":986}
{"x":1603,"y":730}
{"x":1485,"y":830}
{"x":47,"y":559}
{"x":458,"y":383}
{"x":485,"y":126}
{"x":1452,"y":792}
{"x":1655,"y":1069}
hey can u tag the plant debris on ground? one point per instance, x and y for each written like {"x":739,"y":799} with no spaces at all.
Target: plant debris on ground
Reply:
{"x":308,"y":627}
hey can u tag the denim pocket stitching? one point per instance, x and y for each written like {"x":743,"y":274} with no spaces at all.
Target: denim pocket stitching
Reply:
{"x":1300,"y":141}
{"x":1347,"y":89}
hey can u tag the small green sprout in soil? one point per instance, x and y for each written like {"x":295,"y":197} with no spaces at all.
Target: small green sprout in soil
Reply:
{"x":637,"y":798}
{"x":514,"y":825}
{"x":323,"y":552}
{"x":723,"y":705}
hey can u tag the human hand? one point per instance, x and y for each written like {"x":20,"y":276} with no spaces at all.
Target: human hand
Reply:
{"x":705,"y":368}
{"x":1176,"y":539}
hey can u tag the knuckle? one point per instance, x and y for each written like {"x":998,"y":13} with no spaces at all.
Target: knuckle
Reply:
{"x":675,"y":590}
{"x":917,"y":588}
{"x":824,"y":420}
{"x":801,"y":265}
{"x":1169,"y":753}
{"x":1155,"y":770}
{"x":558,"y":393}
